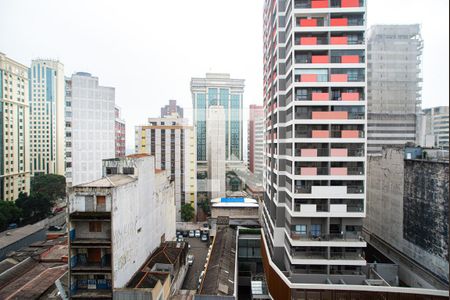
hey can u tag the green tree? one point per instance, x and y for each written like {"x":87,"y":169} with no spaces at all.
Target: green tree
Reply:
{"x":187,"y":212}
{"x":49,"y":185}
{"x":9,"y":213}
{"x":35,"y":207}
{"x":206,"y":206}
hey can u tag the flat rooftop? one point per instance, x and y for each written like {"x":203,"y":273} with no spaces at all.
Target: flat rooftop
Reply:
{"x":9,"y":237}
{"x":109,"y":181}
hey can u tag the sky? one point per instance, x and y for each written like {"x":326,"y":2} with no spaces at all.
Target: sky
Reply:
{"x":149,"y":50}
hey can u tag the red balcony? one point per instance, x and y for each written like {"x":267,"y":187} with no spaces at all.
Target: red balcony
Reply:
{"x":320,"y":96}
{"x":308,"y":78}
{"x":350,"y":59}
{"x":308,"y":40}
{"x":338,"y":40}
{"x":350,"y":3}
{"x":338,"y":171}
{"x":320,"y":134}
{"x":308,"y":152}
{"x":308,"y":171}
{"x":319,"y":4}
{"x":330,"y":115}
{"x":339,"y":152}
{"x":350,"y":134}
{"x":339,"y":22}
{"x":308,"y":22}
{"x":350,"y":96}
{"x":339,"y":78}
{"x":320,"y":59}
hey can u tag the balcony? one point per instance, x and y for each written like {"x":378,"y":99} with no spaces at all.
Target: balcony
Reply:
{"x":347,"y":59}
{"x":320,"y":96}
{"x":312,"y":40}
{"x":329,"y":115}
{"x":339,"y":40}
{"x":346,"y":236}
{"x":346,"y":3}
{"x":350,"y":97}
{"x":309,"y":22}
{"x":320,"y":134}
{"x":352,"y":134}
{"x":299,"y":4}
{"x":338,"y":171}
{"x":339,"y":78}
{"x":338,"y":22}
{"x":320,"y":59}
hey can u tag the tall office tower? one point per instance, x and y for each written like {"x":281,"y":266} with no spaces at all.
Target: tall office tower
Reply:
{"x":172,"y":108}
{"x":314,"y":98}
{"x":218,"y":89}
{"x":393,"y":85}
{"x":47,"y":130}
{"x":434,"y":127}
{"x":14,"y":134}
{"x":115,"y":223}
{"x":255,"y":138}
{"x":90,"y":127}
{"x":120,"y":133}
{"x":215,"y":135}
{"x":172,"y":142}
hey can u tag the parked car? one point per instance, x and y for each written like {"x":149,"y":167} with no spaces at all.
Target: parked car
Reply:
{"x":54,"y":228}
{"x":12,"y":226}
{"x":191,"y":233}
{"x":197,"y":233}
{"x":204,"y":238}
{"x":205,"y":225}
{"x":185,"y":233}
{"x":178,"y":233}
{"x":190,"y":259}
{"x":180,"y":238}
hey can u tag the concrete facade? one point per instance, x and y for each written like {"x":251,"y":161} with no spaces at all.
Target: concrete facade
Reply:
{"x":215,"y":135}
{"x":434,"y":127}
{"x":14,"y":133}
{"x":116,"y":222}
{"x":47,"y":114}
{"x":393,"y":85}
{"x":407,"y":216}
{"x":172,"y":142}
{"x":120,"y":133}
{"x":255,"y":136}
{"x":171,"y":109}
{"x":90,"y":127}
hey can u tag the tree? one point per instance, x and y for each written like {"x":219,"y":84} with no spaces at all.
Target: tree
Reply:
{"x":35,"y":207}
{"x":49,"y":185}
{"x":187,"y":212}
{"x":205,"y":205}
{"x":9,"y":213}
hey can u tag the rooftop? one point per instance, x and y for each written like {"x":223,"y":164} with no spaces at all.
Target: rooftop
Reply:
{"x":109,"y":181}
{"x":219,"y":278}
{"x":9,"y":237}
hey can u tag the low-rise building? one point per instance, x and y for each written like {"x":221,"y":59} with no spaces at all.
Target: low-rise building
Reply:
{"x":235,"y":208}
{"x":116,"y":222}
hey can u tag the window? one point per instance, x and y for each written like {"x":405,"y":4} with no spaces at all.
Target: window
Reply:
{"x":111,"y":170}
{"x":101,"y":200}
{"x":95,"y":227}
{"x":300,"y":229}
{"x":315,"y":230}
{"x":128,"y":171}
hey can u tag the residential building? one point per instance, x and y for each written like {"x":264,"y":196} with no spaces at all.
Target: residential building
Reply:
{"x":394,"y":55}
{"x":116,"y":222}
{"x":172,"y":142}
{"x":90,"y":127}
{"x":171,"y":109}
{"x":215,"y":135}
{"x":14,"y":133}
{"x":315,"y":105}
{"x":219,"y":90}
{"x":47,"y":127}
{"x":434,"y":127}
{"x":255,"y":138}
{"x":407,"y":214}
{"x":119,"y":133}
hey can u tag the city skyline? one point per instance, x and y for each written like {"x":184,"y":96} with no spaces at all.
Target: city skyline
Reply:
{"x":216,"y":55}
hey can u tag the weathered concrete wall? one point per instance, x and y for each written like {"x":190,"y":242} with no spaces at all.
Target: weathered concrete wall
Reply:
{"x":235,"y":213}
{"x":425,"y":213}
{"x":142,"y":213}
{"x":390,"y":212}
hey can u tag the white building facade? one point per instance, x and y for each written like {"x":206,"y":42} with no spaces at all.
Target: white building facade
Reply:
{"x":116,"y":222}
{"x":171,"y":140}
{"x":215,"y":135}
{"x":47,"y":110}
{"x":90,"y":127}
{"x":434,"y":127}
{"x":315,"y":107}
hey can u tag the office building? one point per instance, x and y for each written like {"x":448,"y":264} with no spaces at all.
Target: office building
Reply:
{"x":172,"y":142}
{"x":255,"y":143}
{"x":394,"y":80}
{"x":47,"y":127}
{"x":14,"y":133}
{"x":215,"y":136}
{"x":407,"y":213}
{"x":315,"y":105}
{"x":434,"y":127}
{"x":115,"y":223}
{"x":171,"y":109}
{"x":120,"y":133}
{"x":90,"y":127}
{"x":218,"y":89}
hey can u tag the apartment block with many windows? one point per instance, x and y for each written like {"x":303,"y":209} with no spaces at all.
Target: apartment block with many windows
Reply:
{"x":14,"y":133}
{"x":315,"y":107}
{"x":255,"y":143}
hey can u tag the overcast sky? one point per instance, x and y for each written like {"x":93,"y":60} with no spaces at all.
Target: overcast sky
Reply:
{"x":149,"y":50}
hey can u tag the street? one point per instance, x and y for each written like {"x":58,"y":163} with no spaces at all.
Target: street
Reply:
{"x":199,"y":249}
